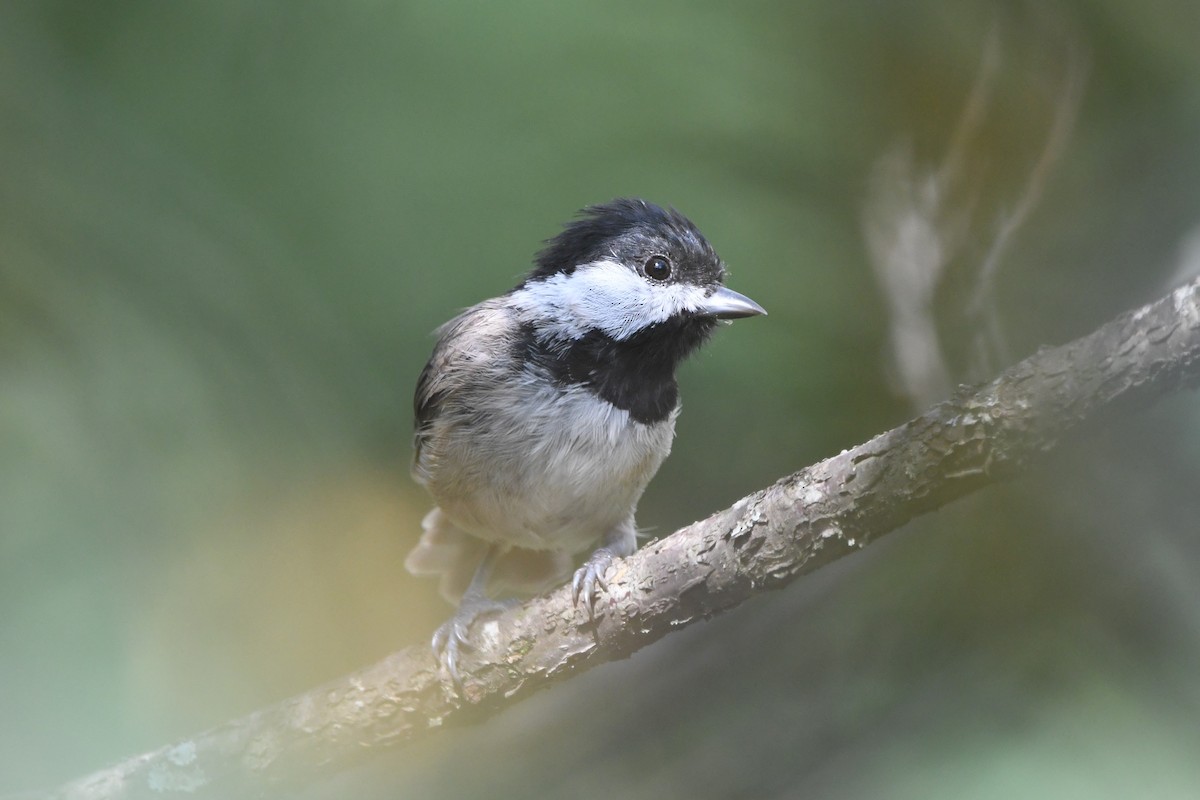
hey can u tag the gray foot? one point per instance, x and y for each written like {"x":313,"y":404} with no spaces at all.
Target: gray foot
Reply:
{"x":453,"y":636}
{"x":590,"y":577}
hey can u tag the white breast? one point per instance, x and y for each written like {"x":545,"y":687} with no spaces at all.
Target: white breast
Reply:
{"x":553,"y":469}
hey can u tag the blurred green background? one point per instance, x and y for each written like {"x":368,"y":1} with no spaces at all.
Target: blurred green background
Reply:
{"x":227,"y":230}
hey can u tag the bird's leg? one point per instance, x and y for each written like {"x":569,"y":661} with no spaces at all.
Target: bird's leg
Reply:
{"x":453,"y":635}
{"x":618,"y":543}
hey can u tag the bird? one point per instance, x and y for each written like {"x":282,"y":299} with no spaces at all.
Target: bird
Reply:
{"x":542,"y":414}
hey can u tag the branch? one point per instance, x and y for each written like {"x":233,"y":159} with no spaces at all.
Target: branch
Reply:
{"x":764,"y":541}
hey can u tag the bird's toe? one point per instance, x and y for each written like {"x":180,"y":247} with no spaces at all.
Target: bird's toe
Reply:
{"x":453,"y":637}
{"x":589,"y":578}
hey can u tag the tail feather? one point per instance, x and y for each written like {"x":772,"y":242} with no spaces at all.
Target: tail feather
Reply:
{"x":451,"y":554}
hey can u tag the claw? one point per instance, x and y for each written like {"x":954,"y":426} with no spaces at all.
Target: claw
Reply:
{"x":447,"y":640}
{"x":589,"y":577}
{"x":452,"y":638}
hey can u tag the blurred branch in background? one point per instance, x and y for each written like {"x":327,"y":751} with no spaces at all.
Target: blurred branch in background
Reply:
{"x":762,"y":542}
{"x":916,"y":221}
{"x":913,"y":230}
{"x":989,"y":340}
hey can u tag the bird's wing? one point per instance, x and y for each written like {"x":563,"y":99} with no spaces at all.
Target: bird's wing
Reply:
{"x":465,"y":357}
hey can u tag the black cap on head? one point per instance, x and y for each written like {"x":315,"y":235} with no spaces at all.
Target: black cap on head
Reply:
{"x":630,"y":230}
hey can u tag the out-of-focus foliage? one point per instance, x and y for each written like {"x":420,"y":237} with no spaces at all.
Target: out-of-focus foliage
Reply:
{"x":227,"y":229}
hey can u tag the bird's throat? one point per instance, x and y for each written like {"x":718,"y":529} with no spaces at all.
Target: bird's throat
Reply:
{"x":636,"y":374}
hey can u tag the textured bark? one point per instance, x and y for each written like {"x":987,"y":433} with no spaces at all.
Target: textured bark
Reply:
{"x":762,"y":542}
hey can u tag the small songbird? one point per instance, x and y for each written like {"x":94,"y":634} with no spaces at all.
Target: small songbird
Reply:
{"x":543,"y":413}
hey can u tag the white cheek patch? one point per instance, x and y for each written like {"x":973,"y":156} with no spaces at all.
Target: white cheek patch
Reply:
{"x":603,"y":295}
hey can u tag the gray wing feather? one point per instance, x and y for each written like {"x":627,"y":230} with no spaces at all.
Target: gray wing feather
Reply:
{"x":466,"y":357}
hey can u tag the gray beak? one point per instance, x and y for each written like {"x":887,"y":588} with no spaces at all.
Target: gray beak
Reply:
{"x":728,"y":304}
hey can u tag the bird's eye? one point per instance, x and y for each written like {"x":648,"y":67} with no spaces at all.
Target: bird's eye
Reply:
{"x":657,"y":268}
